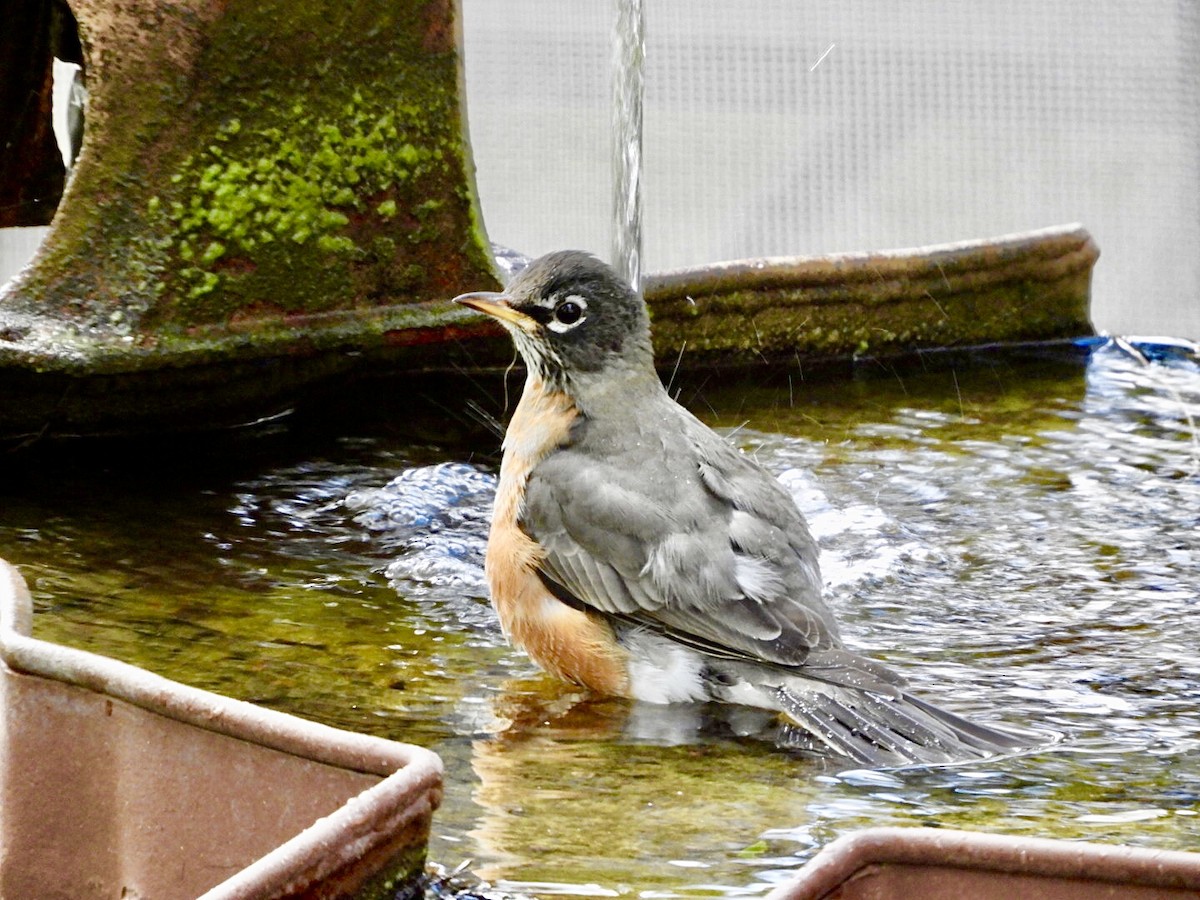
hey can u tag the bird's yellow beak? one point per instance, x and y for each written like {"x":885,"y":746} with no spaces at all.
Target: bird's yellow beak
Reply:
{"x":498,"y":306}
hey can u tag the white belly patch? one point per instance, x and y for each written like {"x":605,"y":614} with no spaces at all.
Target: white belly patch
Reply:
{"x":662,"y":671}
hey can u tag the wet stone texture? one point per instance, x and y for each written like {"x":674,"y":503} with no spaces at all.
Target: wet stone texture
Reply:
{"x":252,"y":171}
{"x":1017,"y":288}
{"x":267,"y":192}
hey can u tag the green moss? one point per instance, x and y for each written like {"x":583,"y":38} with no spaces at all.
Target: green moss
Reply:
{"x":214,"y":251}
{"x":202,"y":282}
{"x":855,"y":318}
{"x":298,"y":182}
{"x":273,"y":160}
{"x":422,"y":211}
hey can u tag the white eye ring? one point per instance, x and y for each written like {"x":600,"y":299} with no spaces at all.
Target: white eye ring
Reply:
{"x":573,"y":311}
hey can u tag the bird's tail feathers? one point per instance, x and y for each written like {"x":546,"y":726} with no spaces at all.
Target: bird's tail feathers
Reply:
{"x":846,"y":669}
{"x":891,"y":729}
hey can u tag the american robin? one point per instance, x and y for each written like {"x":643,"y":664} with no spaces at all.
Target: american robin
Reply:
{"x":634,"y":551}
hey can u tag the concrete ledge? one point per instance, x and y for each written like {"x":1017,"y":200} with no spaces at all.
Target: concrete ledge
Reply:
{"x":1022,"y":287}
{"x":943,"y":864}
{"x":118,"y":782}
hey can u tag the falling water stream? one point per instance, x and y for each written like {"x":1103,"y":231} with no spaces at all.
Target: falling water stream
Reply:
{"x":1018,"y":537}
{"x":629,"y":50}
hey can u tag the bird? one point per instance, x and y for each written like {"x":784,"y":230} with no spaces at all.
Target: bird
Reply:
{"x":636,"y":552}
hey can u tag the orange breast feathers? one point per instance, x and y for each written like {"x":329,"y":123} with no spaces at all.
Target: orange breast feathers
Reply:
{"x":567,"y":642}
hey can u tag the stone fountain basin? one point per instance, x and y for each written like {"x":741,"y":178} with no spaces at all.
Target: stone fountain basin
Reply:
{"x":944,"y":864}
{"x":187,"y":282}
{"x":119,"y":783}
{"x":58,"y":380}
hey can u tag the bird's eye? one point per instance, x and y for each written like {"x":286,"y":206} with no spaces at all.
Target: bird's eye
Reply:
{"x":568,"y":313}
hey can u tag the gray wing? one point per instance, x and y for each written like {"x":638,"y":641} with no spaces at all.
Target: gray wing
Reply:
{"x":675,"y":530}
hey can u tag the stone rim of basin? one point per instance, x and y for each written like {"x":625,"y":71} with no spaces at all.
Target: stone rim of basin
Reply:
{"x":1000,"y":273}
{"x":971,"y":861}
{"x":1012,"y":290}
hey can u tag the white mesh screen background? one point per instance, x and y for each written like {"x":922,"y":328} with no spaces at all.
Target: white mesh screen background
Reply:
{"x":798,"y":127}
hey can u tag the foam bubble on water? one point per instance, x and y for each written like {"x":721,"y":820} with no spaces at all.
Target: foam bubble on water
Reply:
{"x":435,"y":519}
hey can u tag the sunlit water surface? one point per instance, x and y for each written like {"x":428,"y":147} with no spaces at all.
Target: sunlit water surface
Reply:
{"x":1021,"y":540}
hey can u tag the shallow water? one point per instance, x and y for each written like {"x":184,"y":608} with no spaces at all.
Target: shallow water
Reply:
{"x":1019,"y":539}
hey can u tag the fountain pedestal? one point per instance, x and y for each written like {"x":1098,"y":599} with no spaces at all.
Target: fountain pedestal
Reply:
{"x":266,"y":190}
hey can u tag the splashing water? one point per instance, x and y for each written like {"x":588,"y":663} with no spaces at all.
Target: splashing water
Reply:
{"x":1019,"y":541}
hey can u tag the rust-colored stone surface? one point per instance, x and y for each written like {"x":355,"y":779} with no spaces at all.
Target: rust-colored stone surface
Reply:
{"x":262,"y":183}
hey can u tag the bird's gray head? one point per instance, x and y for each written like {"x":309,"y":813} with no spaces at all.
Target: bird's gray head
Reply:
{"x":571,"y":316}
